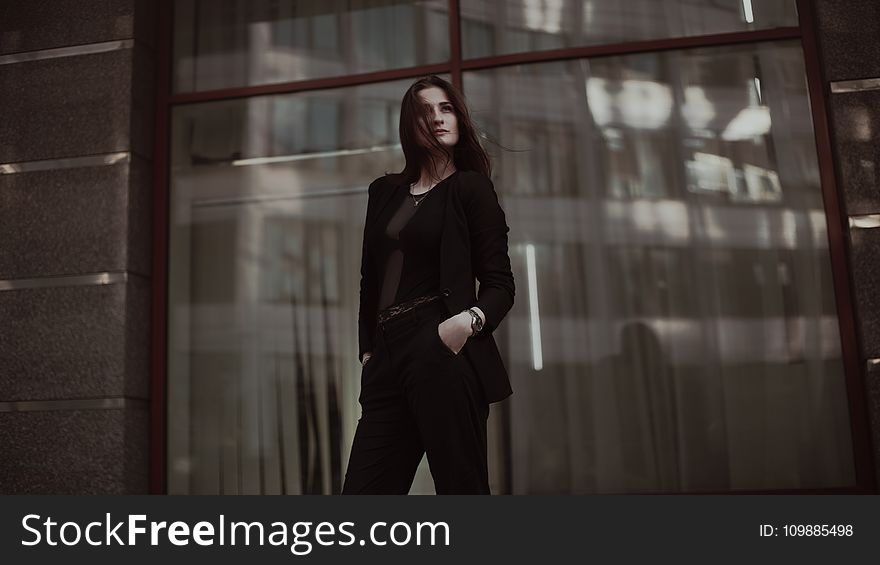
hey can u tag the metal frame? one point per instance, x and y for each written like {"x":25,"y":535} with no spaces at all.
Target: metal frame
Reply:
{"x":158,"y":326}
{"x":837,"y":229}
{"x":806,"y":32}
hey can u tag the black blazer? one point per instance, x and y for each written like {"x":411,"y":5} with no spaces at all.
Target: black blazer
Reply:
{"x":473,"y":247}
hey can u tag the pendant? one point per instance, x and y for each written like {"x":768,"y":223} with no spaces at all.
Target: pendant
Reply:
{"x":417,"y":201}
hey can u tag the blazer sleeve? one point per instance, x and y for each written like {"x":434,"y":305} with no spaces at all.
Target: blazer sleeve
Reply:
{"x":368,"y":286}
{"x":489,"y":255}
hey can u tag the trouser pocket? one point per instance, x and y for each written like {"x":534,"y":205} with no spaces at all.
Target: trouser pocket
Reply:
{"x":434,"y":330}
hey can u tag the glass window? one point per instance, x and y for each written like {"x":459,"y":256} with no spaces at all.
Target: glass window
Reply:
{"x":675,"y":315}
{"x":235,"y":43}
{"x":674,"y":319}
{"x":499,"y":27}
{"x":268,"y":198}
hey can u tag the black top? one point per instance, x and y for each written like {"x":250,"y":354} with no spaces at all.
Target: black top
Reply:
{"x":408,"y":249}
{"x":474,"y":249}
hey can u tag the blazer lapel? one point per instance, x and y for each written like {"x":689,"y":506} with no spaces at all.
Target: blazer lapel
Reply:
{"x":385,"y":197}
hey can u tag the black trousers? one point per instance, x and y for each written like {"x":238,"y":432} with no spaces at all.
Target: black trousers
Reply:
{"x":418,"y":397}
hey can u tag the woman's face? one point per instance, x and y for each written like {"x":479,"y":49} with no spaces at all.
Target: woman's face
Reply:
{"x":442,"y":120}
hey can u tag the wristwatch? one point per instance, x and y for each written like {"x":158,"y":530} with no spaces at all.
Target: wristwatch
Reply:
{"x":476,"y":321}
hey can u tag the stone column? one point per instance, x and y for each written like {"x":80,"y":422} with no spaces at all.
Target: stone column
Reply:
{"x":76,"y":102}
{"x":849,"y":44}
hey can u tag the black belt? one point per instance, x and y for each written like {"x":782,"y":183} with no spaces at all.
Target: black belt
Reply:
{"x":396,"y":310}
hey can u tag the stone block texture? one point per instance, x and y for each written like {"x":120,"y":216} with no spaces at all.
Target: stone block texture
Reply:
{"x":61,"y":342}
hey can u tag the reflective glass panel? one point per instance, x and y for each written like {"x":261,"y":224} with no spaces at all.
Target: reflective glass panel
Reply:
{"x":675,"y":326}
{"x":267,"y":206}
{"x":499,"y":27}
{"x":234,"y":43}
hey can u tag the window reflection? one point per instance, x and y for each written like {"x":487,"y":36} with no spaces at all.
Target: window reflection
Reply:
{"x":675,"y":316}
{"x":268,"y":196}
{"x":667,"y":214}
{"x":498,"y":27}
{"x":232,"y":43}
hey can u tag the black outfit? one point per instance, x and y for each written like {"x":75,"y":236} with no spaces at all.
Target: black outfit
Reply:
{"x":473,"y":245}
{"x":417,"y":395}
{"x":417,"y":241}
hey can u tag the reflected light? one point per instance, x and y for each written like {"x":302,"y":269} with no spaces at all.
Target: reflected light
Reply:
{"x":534,"y":315}
{"x":750,"y":122}
{"x":818,"y":228}
{"x":697,"y":110}
{"x":762,"y":185}
{"x":653,"y":220}
{"x":645,"y":104}
{"x":543,"y":15}
{"x":787,"y":229}
{"x":316,"y":155}
{"x":599,"y":101}
{"x":860,"y":123}
{"x":588,"y":14}
{"x":710,"y":172}
{"x":865,"y":222}
{"x":748,"y":14}
{"x":712,"y":226}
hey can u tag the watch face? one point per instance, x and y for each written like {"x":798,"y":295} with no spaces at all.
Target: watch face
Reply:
{"x":478,"y":322}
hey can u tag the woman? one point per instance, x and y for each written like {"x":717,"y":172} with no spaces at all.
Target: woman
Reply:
{"x":430,"y":364}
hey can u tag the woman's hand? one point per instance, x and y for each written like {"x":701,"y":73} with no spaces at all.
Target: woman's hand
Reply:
{"x":455,"y":331}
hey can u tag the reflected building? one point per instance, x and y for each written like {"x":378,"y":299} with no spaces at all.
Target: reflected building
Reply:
{"x":690,"y":316}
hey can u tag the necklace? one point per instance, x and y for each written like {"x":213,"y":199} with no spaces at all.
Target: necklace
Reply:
{"x":417,"y":198}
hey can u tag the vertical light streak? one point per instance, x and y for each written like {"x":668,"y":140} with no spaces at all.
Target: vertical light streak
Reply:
{"x":534,"y":315}
{"x":747,"y":11}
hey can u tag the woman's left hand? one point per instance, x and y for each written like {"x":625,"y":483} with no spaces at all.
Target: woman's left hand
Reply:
{"x":455,"y":331}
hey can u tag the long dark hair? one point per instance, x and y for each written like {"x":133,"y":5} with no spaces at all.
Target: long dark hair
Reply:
{"x":467,"y":154}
